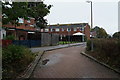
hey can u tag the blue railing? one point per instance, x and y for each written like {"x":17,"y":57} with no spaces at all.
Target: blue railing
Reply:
{"x":27,"y":43}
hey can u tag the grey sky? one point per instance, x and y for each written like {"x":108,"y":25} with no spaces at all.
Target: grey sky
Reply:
{"x":105,"y":13}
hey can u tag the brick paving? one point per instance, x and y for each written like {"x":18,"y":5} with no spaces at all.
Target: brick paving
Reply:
{"x":69,"y":63}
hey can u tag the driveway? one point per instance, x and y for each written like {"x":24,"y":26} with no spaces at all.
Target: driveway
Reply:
{"x":69,"y":63}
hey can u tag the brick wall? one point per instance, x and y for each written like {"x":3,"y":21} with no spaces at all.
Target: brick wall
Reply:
{"x":87,"y":31}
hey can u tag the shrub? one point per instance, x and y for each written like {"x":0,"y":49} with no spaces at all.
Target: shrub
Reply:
{"x":107,"y":50}
{"x":9,"y":37}
{"x":15,"y":60}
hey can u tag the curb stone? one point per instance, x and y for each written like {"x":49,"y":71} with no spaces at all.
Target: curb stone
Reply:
{"x":27,"y":73}
{"x":103,"y":64}
{"x":31,"y":67}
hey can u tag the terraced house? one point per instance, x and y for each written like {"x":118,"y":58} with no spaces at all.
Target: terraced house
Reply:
{"x":69,"y":29}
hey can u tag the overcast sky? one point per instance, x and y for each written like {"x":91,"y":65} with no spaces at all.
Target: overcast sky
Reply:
{"x":105,"y":13}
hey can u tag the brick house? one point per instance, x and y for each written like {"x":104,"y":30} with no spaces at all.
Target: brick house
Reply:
{"x":68,"y":29}
{"x":22,"y":30}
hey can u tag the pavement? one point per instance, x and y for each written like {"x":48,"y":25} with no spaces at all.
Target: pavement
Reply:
{"x":37,"y":49}
{"x":69,"y":63}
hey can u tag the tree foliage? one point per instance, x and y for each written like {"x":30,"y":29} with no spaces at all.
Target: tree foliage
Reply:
{"x":100,"y":32}
{"x":11,"y":14}
{"x":37,"y":10}
{"x":116,"y":35}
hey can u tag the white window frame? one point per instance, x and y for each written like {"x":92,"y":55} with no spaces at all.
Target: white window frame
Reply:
{"x":28,"y":21}
{"x":31,"y":25}
{"x":51,"y":30}
{"x":57,"y":29}
{"x":46,"y":30}
{"x":75,"y":29}
{"x":63,"y":29}
{"x":68,"y":28}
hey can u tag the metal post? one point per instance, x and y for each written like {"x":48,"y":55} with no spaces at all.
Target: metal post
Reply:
{"x":91,"y":16}
{"x":91,"y":24}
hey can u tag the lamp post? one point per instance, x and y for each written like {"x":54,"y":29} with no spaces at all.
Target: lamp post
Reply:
{"x":91,"y":23}
{"x":91,"y":13}
{"x":69,"y":34}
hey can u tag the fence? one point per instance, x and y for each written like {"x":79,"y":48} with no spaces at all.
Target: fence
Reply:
{"x":46,"y":40}
{"x":49,"y":39}
{"x":27,"y":43}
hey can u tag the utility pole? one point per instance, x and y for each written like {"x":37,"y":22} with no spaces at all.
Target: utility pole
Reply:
{"x":91,"y":23}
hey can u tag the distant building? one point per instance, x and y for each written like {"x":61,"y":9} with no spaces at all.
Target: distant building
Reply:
{"x":22,"y":29}
{"x":68,"y":29}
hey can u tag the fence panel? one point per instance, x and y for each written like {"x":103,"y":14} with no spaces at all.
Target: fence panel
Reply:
{"x":27,"y":43}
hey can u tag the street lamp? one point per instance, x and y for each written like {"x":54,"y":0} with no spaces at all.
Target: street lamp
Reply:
{"x":91,"y":23}
{"x":91,"y":13}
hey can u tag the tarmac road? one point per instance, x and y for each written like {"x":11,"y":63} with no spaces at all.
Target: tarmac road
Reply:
{"x":69,"y":63}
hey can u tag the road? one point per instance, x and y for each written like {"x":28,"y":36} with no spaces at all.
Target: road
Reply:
{"x":69,"y":63}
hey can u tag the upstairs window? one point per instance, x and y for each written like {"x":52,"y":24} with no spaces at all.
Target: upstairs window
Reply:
{"x":62,"y":29}
{"x":28,"y":21}
{"x":57,"y":30}
{"x":75,"y":29}
{"x":68,"y":29}
{"x":46,"y":30}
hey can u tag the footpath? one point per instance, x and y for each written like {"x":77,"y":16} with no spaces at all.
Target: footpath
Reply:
{"x":55,"y":47}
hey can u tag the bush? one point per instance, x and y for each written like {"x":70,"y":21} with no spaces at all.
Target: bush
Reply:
{"x":107,"y":50}
{"x":15,"y":60}
{"x":9,"y":37}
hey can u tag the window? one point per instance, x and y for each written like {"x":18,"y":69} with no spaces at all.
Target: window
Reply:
{"x":75,"y":29}
{"x":57,"y":29}
{"x":28,"y":21}
{"x":68,"y":29}
{"x":31,"y":25}
{"x":51,"y":29}
{"x":20,"y":20}
{"x":82,"y":29}
{"x":62,"y":29}
{"x":46,"y":30}
{"x":41,"y":30}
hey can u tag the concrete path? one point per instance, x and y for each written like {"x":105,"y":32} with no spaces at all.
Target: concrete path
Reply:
{"x":69,"y":63}
{"x":55,"y":47}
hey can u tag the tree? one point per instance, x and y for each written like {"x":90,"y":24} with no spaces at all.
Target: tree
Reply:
{"x":12,"y":13}
{"x":100,"y":32}
{"x":39,"y":10}
{"x":25,"y":10}
{"x":116,"y":35}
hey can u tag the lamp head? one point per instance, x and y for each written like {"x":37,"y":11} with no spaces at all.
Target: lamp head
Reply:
{"x":88,"y":1}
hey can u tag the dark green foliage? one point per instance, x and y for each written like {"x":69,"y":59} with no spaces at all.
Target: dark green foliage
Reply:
{"x":116,"y":35}
{"x":10,"y":15}
{"x":15,"y":59}
{"x":9,"y":37}
{"x":106,"y":50}
{"x":37,"y":10}
{"x":100,"y":32}
{"x":88,"y":45}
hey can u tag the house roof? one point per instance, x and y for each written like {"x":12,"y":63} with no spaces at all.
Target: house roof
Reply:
{"x":67,"y":25}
